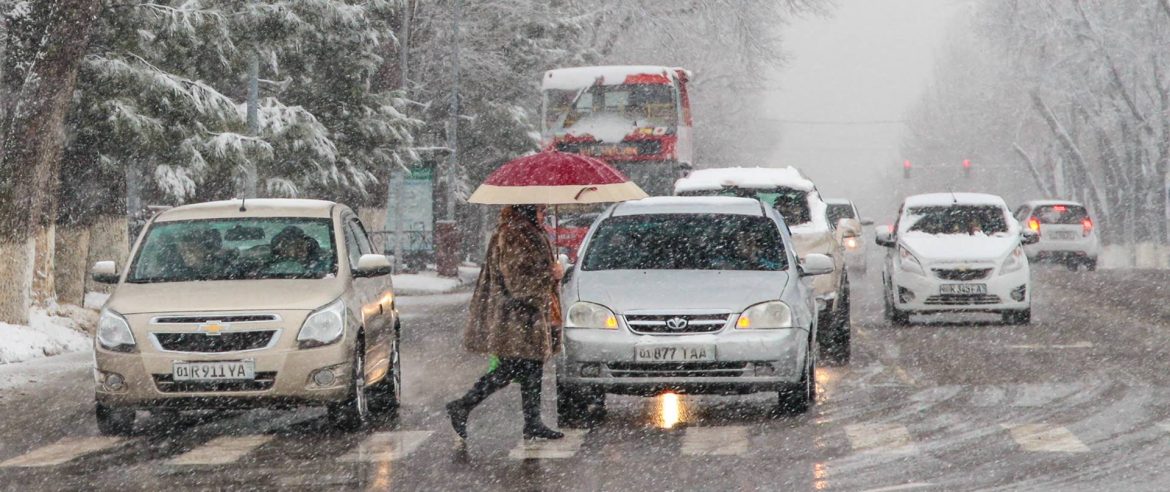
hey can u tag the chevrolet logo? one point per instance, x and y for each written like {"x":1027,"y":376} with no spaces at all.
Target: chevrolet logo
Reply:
{"x":212,"y":329}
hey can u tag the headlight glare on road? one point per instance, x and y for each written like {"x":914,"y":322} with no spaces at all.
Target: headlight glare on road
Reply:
{"x":590,"y":315}
{"x":1014,"y":262}
{"x":323,"y":326}
{"x":113,"y":332}
{"x":765,"y":316}
{"x":910,"y":262}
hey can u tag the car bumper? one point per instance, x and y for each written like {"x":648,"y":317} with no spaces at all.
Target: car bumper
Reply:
{"x":1059,"y":250}
{"x":283,"y":379}
{"x":745,"y":361}
{"x":919,"y":294}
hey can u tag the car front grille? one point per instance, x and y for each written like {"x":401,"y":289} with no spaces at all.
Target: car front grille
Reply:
{"x":677,"y":323}
{"x":962,"y":300}
{"x":166,"y":384}
{"x":962,"y":274}
{"x":676,"y":370}
{"x":223,"y":342}
{"x":233,"y":318}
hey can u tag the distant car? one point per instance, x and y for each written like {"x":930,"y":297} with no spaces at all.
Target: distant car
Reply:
{"x":956,"y":252}
{"x":1067,"y":233}
{"x":695,"y":295}
{"x":843,"y":213}
{"x":263,"y":303}
{"x":796,"y":198}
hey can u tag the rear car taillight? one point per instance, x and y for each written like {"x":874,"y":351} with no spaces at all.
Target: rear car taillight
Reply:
{"x":1034,"y":225}
{"x":1086,"y":226}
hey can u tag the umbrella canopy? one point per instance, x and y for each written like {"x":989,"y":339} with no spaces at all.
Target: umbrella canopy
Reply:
{"x":555,"y":178}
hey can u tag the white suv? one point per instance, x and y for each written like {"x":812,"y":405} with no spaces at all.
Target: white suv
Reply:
{"x":956,"y":252}
{"x":1067,"y":233}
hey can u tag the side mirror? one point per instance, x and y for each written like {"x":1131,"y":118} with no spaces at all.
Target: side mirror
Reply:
{"x":373,"y":266}
{"x":866,"y":222}
{"x":104,"y":272}
{"x":1029,"y":237}
{"x":816,"y":264}
{"x":847,"y":228}
{"x":885,"y":239}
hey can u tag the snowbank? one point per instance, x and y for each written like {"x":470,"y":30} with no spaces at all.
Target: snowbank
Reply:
{"x":47,"y":334}
{"x":429,"y":282}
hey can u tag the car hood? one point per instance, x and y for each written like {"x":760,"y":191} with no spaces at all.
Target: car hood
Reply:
{"x":640,"y":290}
{"x":958,"y":247}
{"x":813,"y":241}
{"x":225,"y":295}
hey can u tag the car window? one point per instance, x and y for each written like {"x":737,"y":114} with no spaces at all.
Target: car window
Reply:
{"x":1061,"y":214}
{"x":352,"y":246}
{"x":958,"y":219}
{"x":234,"y":249}
{"x":791,"y":203}
{"x":363,"y":239}
{"x":686,"y":242}
{"x":838,"y":211}
{"x":1021,"y":213}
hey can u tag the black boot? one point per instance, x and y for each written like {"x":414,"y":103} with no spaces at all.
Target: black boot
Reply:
{"x":534,"y":428}
{"x":458,"y":413}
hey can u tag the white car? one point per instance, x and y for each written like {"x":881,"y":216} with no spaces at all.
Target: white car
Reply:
{"x":1067,"y":233}
{"x":844,"y":214}
{"x":956,"y":252}
{"x":796,"y":198}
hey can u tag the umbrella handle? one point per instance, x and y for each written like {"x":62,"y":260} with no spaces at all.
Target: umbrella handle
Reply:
{"x":583,"y":190}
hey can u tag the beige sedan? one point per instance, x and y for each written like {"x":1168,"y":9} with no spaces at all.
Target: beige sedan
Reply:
{"x":263,"y":303}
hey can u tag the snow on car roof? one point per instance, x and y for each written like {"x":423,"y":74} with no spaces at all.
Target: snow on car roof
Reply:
{"x":946,"y":199}
{"x":689,"y":205}
{"x":744,"y":177}
{"x":578,"y":77}
{"x":254,"y":207}
{"x":1041,"y":203}
{"x":838,"y":201}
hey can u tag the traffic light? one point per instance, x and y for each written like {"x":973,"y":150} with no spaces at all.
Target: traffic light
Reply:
{"x":906,"y":169}
{"x":966,"y":168}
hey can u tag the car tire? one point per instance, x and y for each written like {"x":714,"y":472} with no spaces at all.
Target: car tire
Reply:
{"x":1072,"y":265}
{"x":899,"y":317}
{"x":385,"y":397}
{"x":1091,"y":265}
{"x":837,"y":349}
{"x":796,"y":399}
{"x":579,"y":406}
{"x":112,"y":421}
{"x":353,"y":413}
{"x":1018,"y":317}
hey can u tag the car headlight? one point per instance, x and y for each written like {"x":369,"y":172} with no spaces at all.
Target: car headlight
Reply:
{"x":765,"y":316}
{"x":590,"y":315}
{"x":323,"y":326}
{"x":909,"y":262}
{"x":1014,"y":262}
{"x":113,"y":332}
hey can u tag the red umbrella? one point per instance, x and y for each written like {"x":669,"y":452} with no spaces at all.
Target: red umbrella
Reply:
{"x":555,"y":178}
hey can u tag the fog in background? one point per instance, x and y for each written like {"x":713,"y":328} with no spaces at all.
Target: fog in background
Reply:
{"x":865,"y":63}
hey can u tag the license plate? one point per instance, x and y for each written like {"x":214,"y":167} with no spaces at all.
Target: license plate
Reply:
{"x":1063,"y":235}
{"x":690,"y":353}
{"x":962,"y":289}
{"x":234,"y":370}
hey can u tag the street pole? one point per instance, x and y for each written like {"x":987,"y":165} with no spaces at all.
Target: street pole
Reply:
{"x":253,"y":121}
{"x":453,"y":130}
{"x":398,"y":177}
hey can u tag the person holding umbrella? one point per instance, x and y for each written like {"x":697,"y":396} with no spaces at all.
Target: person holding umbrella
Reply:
{"x":515,"y":313}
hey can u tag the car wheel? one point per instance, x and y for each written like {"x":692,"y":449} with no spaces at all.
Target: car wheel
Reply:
{"x":1020,"y":317}
{"x":837,"y":350}
{"x":113,"y":421}
{"x":797,"y":398}
{"x":579,"y":406}
{"x":1091,"y":265}
{"x":354,"y":412}
{"x":899,"y":317}
{"x":386,"y":396}
{"x":1072,"y":265}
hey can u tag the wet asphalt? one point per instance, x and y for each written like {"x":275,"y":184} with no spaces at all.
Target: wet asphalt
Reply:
{"x":1079,"y":400}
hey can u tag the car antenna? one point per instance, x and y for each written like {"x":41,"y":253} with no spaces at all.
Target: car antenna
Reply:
{"x":243,"y":203}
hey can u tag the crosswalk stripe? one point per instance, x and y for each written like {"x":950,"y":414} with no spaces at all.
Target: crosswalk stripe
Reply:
{"x":719,"y":441}
{"x":1045,"y":438}
{"x":62,"y":451}
{"x":880,"y":438}
{"x":387,"y":446}
{"x":563,"y":448}
{"x":221,"y":450}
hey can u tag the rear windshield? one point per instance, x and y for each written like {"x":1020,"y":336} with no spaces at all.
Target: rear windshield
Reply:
{"x":1060,"y":214}
{"x":792,"y":204}
{"x":232,"y":249}
{"x":958,"y":219}
{"x":686,"y":242}
{"x":838,"y":211}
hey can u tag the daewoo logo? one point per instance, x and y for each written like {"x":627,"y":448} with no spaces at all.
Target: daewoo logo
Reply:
{"x":677,"y":323}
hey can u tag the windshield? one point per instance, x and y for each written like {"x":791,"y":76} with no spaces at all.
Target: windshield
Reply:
{"x":958,"y":219}
{"x":627,"y":105}
{"x":1061,"y":214}
{"x":686,"y":242}
{"x":235,"y":249}
{"x":838,"y":211}
{"x":792,"y":204}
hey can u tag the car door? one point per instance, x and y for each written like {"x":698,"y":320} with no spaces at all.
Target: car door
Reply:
{"x":374,"y":296}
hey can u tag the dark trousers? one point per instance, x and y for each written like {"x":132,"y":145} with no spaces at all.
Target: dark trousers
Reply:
{"x":528,"y":372}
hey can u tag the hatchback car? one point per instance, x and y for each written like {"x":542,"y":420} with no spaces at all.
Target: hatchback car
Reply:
{"x":956,"y":252}
{"x":843,"y":214}
{"x":695,"y":295}
{"x":796,"y":198}
{"x":235,"y":304}
{"x":1067,"y":233}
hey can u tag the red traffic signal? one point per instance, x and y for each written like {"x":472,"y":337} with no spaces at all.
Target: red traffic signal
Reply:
{"x":967,"y":167}
{"x":906,"y":169}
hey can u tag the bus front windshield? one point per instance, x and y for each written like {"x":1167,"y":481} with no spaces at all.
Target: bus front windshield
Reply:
{"x":626,"y":105}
